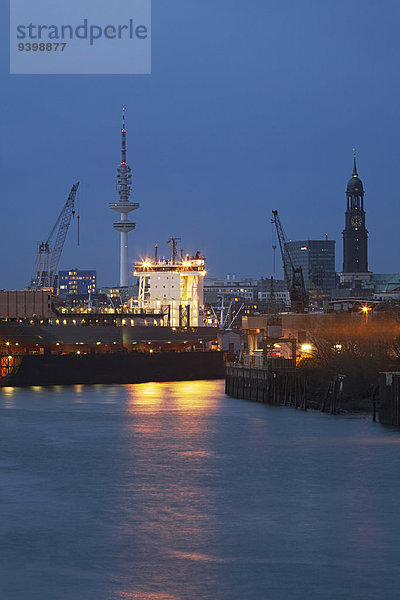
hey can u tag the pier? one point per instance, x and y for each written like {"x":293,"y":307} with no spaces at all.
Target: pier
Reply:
{"x":271,"y":384}
{"x":389,"y":398}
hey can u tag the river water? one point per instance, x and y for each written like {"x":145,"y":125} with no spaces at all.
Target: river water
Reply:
{"x":172,"y":491}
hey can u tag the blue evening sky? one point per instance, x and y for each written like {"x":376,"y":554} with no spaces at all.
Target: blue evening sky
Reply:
{"x":252,"y":105}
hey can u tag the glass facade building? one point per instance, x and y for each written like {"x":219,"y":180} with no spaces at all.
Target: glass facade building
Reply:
{"x":317,"y":260}
{"x":77,"y":282}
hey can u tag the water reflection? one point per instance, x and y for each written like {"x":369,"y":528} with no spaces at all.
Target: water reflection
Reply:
{"x":181,"y":395}
{"x":145,"y":396}
{"x":78,"y":396}
{"x":7,"y":396}
{"x":166,"y":499}
{"x":143,"y":595}
{"x":175,"y":492}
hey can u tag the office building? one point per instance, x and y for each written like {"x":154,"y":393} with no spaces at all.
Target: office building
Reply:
{"x":317,"y":260}
{"x":76,"y":281}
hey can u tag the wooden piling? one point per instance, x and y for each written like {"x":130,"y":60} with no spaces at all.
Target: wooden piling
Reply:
{"x":286,"y":387}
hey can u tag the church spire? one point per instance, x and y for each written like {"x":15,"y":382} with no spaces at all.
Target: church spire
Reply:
{"x":355,"y":234}
{"x":355,"y":174}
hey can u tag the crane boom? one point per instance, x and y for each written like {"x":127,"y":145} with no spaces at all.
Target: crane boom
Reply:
{"x":49,"y":253}
{"x":286,"y":257}
{"x":63,"y":221}
{"x":293,"y":275}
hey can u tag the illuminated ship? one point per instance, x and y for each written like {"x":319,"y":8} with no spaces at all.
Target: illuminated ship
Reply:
{"x":173,"y":287}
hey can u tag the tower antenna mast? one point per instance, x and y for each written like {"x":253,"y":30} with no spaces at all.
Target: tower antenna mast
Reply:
{"x":174,"y":241}
{"x":124,"y":207}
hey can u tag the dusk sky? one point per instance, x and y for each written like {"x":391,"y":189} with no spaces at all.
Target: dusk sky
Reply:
{"x":251,"y":106}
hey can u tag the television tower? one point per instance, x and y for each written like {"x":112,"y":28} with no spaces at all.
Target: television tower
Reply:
{"x":124,"y":207}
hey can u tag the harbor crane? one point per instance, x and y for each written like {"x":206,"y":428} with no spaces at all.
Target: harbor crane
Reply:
{"x":293,"y":275}
{"x":226,"y":318}
{"x":49,"y":252}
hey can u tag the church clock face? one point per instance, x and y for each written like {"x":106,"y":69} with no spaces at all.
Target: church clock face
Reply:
{"x":356,"y":221}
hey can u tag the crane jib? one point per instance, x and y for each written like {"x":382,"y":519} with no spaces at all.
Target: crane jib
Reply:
{"x":50,"y":251}
{"x":293,"y":275}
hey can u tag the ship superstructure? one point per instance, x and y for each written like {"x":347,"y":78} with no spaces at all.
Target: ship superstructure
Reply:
{"x":173,"y":287}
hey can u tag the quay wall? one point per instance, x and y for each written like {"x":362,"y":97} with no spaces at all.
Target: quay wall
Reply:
{"x":389,"y":398}
{"x":294,"y":387}
{"x":263,"y":385}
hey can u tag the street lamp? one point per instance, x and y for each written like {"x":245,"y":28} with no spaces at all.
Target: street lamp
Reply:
{"x":365,"y":310}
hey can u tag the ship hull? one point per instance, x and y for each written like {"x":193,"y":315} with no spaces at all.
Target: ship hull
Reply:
{"x":132,"y":367}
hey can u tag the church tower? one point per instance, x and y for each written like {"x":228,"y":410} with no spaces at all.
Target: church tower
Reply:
{"x":355,"y":234}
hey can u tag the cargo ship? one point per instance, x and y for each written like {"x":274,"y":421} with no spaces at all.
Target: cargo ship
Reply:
{"x":160,"y":337}
{"x":45,"y":354}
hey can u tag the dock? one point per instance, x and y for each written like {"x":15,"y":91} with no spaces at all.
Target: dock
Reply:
{"x":278,"y":383}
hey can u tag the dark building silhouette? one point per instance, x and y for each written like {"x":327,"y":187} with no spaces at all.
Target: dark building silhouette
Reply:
{"x":355,"y":235}
{"x":317,"y":260}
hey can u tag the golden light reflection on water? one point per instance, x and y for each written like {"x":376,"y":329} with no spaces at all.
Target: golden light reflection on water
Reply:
{"x":197,"y":557}
{"x":7,"y":396}
{"x":8,"y":391}
{"x":203,"y":395}
{"x":141,"y":595}
{"x":181,"y":395}
{"x":188,"y":401}
{"x":78,"y":393}
{"x":169,"y":443}
{"x":197,"y":453}
{"x":145,"y":395}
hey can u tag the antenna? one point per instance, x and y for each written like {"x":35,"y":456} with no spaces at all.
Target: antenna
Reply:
{"x":173,"y":241}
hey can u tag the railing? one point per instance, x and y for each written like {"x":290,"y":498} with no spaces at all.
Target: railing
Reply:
{"x":119,"y":312}
{"x":254,"y":361}
{"x":9,"y":365}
